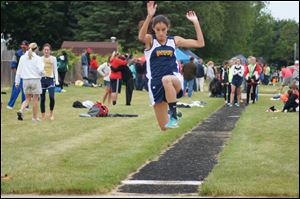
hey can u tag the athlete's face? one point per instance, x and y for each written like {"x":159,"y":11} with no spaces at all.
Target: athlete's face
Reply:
{"x":161,"y":31}
{"x":46,"y":51}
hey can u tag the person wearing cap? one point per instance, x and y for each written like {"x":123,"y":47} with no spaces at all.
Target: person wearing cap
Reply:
{"x":14,"y":65}
{"x":85,"y":63}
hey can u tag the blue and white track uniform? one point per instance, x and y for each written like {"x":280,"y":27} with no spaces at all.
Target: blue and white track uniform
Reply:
{"x":161,"y":61}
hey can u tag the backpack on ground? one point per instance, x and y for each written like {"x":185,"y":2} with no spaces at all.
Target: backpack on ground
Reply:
{"x":98,"y":110}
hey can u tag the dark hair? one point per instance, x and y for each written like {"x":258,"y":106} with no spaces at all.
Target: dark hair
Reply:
{"x":192,"y":59}
{"x":122,"y":57}
{"x":64,"y":53}
{"x":160,"y":19}
{"x":47,"y":45}
{"x":225,"y":63}
{"x":94,"y":57}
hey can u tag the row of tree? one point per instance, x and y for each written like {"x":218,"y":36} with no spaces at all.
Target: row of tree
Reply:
{"x":229,"y":27}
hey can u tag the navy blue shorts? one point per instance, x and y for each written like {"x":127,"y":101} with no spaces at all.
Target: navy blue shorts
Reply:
{"x":47,"y":82}
{"x":237,"y":81}
{"x":157,"y":92}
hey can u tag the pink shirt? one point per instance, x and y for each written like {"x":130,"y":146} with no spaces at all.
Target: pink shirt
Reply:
{"x":286,"y":72}
{"x":292,"y":69}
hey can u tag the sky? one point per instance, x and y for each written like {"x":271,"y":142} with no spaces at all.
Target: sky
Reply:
{"x":284,"y":9}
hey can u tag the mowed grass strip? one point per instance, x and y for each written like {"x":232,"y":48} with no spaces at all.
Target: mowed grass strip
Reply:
{"x":262,"y":156}
{"x":74,"y":155}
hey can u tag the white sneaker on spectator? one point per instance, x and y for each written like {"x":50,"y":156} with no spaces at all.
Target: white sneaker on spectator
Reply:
{"x":63,"y":91}
{"x":36,"y":120}
{"x":9,"y":107}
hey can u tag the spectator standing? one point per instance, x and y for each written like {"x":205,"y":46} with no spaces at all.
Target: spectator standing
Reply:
{"x":210,"y":71}
{"x":30,"y":69}
{"x":267,"y":73}
{"x":296,"y":74}
{"x":62,"y":68}
{"x":85,"y":63}
{"x":48,"y":81}
{"x":93,"y":69}
{"x":133,"y":72}
{"x":237,"y":80}
{"x":287,"y":76}
{"x":225,"y":80}
{"x":14,"y":66}
{"x":105,"y":71}
{"x":116,"y":62}
{"x":189,"y":71}
{"x":252,"y":72}
{"x":200,"y":76}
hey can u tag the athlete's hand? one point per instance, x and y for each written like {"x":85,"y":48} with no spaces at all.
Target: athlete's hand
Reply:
{"x":191,"y":15}
{"x":151,"y":8}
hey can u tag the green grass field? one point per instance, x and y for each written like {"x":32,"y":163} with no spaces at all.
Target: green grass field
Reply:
{"x":270,"y":89}
{"x":74,"y":155}
{"x":262,"y":156}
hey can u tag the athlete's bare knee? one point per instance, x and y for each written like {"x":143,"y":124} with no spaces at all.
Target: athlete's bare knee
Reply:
{"x":166,"y":80}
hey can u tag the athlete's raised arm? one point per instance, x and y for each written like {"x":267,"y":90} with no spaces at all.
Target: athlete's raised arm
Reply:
{"x":143,"y":36}
{"x":191,"y":43}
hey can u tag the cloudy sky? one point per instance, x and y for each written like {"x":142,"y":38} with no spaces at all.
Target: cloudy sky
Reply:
{"x":284,"y":9}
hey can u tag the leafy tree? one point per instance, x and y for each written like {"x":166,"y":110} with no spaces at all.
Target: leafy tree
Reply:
{"x":229,"y":27}
{"x":35,"y":21}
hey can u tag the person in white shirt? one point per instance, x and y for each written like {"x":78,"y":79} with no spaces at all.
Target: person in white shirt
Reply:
{"x":105,"y":71}
{"x":30,"y":69}
{"x":210,"y":71}
{"x":48,"y":81}
{"x":237,"y":80}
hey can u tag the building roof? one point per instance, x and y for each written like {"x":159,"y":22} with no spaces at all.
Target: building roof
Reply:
{"x":101,"y":48}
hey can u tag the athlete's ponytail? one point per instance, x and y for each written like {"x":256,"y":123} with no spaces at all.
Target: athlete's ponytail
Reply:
{"x":32,"y":48}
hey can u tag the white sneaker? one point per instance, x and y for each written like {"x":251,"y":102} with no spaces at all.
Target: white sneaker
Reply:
{"x":27,"y":109}
{"x":9,"y":107}
{"x":63,"y":91}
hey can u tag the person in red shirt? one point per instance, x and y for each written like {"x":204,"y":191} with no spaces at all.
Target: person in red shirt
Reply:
{"x":93,"y":69}
{"x":286,"y":74}
{"x":116,"y":62}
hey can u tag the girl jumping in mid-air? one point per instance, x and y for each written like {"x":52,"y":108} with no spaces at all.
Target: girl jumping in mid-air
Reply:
{"x":165,"y":82}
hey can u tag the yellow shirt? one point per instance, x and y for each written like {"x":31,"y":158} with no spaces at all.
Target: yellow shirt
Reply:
{"x":48,"y":67}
